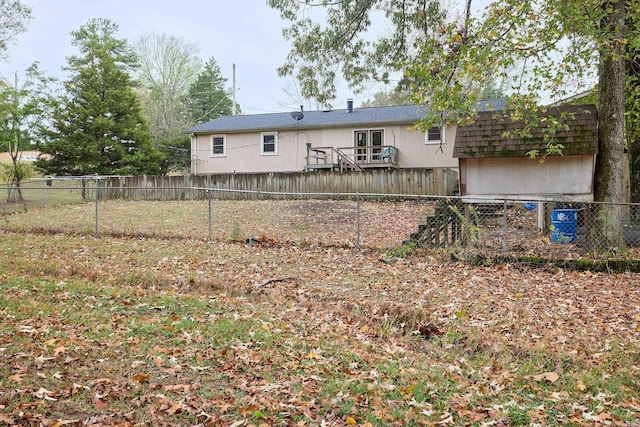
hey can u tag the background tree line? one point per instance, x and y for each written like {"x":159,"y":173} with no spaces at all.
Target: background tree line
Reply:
{"x":123,"y":108}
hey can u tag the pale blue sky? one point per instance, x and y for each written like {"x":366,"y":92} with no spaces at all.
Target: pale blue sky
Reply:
{"x":244,"y":32}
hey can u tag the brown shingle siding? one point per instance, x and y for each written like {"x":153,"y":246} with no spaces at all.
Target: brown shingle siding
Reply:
{"x":491,"y":135}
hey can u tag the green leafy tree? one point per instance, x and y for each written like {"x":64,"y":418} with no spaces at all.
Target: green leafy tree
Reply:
{"x":394,"y":97}
{"x":25,"y":110}
{"x":208,"y":98}
{"x":99,"y":127}
{"x":14,"y":17}
{"x":494,"y":89}
{"x":633,"y":120}
{"x":448,"y":55}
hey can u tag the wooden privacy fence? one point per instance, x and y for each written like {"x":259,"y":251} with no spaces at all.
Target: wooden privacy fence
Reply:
{"x":436,"y":182}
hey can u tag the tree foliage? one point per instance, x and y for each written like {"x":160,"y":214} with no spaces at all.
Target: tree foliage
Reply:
{"x":448,"y":55}
{"x":168,"y":67}
{"x":14,"y":17}
{"x":633,"y":120}
{"x":25,"y":110}
{"x":383,"y":98}
{"x":208,"y":98}
{"x":493,"y":89}
{"x":99,"y":127}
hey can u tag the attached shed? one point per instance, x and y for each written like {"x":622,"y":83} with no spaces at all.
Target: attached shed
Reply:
{"x":493,"y":161}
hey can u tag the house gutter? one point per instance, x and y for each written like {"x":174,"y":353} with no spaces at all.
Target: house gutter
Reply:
{"x":310,"y":127}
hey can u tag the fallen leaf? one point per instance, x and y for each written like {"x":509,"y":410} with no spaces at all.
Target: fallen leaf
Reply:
{"x":351,"y":421}
{"x":41,"y":359}
{"x":225,"y":407}
{"x":549,"y":376}
{"x":313,"y":356}
{"x":141,"y":378}
{"x":175,"y":408}
{"x":44,"y":394}
{"x":16,"y":378}
{"x":603,"y":416}
{"x":100,"y":404}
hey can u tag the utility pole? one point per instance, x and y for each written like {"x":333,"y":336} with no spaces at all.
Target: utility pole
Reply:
{"x":15,"y":194}
{"x":233,"y":111}
{"x":14,"y":124}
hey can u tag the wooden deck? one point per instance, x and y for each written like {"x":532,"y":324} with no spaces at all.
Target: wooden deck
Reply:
{"x":352,"y":158}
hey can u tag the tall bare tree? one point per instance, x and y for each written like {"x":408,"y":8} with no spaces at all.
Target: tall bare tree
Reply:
{"x":167,"y":68}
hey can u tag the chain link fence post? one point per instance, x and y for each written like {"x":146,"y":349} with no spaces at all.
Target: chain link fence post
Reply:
{"x":210,"y":216}
{"x":358,"y":221}
{"x":97,"y":204}
{"x":505,"y":226}
{"x":44,"y":194}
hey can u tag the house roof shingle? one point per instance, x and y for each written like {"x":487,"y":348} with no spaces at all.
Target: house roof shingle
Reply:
{"x":494,"y":136}
{"x":403,"y":114}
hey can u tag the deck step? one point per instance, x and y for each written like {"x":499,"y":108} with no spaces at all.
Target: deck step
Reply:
{"x":440,"y":229}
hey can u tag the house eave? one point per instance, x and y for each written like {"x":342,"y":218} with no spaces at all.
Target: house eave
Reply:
{"x":301,"y":127}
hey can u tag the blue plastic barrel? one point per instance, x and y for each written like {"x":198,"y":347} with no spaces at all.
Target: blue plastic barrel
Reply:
{"x":565,"y":224}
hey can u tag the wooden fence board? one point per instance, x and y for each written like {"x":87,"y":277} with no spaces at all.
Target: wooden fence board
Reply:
{"x":399,"y":181}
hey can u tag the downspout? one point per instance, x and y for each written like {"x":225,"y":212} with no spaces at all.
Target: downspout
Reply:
{"x":194,"y":154}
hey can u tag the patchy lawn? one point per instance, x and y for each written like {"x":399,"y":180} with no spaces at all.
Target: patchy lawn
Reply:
{"x":146,"y":331}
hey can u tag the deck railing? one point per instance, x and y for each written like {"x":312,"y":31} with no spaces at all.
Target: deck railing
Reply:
{"x":352,"y":158}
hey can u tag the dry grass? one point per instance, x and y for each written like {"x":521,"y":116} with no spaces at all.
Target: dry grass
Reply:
{"x":313,"y":222}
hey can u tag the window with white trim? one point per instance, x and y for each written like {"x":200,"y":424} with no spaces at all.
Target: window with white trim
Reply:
{"x":218,"y":145}
{"x":434,"y":135}
{"x":269,"y":143}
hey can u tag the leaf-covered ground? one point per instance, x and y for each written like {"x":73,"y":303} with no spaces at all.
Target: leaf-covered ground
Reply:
{"x":150,"y":331}
{"x":325,"y":222}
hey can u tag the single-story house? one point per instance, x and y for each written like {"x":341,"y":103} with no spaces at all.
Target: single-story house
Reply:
{"x":493,"y":160}
{"x":343,"y":139}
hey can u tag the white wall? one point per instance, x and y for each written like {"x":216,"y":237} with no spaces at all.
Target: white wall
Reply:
{"x":243,"y":150}
{"x":558,"y":175}
{"x":243,"y":154}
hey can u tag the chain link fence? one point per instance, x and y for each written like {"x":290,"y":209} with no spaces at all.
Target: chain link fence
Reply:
{"x":521,"y":230}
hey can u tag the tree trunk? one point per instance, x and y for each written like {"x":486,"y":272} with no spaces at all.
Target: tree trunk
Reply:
{"x":611,"y":171}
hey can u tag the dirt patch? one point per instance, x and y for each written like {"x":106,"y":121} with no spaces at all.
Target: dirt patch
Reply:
{"x":6,"y":157}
